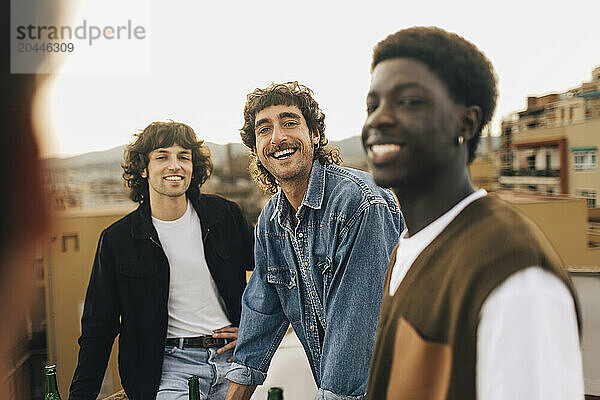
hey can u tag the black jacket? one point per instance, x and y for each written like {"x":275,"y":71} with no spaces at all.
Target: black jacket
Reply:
{"x":129,"y":289}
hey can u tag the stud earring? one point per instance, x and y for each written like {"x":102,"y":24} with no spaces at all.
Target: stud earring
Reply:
{"x":460,"y":139}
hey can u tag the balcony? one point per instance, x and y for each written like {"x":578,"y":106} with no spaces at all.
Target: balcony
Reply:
{"x":529,"y":180}
{"x":551,"y":173}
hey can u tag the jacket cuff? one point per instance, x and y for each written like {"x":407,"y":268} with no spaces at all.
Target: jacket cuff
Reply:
{"x":243,"y":375}
{"x":323,"y":394}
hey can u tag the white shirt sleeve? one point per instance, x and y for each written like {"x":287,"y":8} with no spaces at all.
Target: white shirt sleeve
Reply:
{"x":527,"y":340}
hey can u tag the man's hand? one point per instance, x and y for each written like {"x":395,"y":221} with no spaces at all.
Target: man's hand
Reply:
{"x":228,"y":332}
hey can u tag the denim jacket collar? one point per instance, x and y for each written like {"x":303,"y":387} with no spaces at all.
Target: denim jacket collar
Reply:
{"x":313,"y":197}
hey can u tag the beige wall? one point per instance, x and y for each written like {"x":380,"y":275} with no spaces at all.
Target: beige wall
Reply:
{"x":574,"y":110}
{"x":540,"y":134}
{"x":565,"y":224}
{"x":68,"y":274}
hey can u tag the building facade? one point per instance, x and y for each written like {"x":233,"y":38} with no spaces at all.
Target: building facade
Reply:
{"x":551,"y":147}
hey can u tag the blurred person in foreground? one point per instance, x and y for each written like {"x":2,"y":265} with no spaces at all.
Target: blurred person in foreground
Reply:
{"x":321,"y":246}
{"x":23,"y":220}
{"x":23,"y":214}
{"x":167,"y":278}
{"x":476,"y":301}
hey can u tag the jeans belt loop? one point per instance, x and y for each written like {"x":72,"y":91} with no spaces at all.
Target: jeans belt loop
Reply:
{"x":181,"y":343}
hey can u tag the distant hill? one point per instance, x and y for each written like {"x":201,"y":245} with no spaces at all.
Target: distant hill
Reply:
{"x":111,"y":156}
{"x":94,"y":179}
{"x":114,"y":156}
{"x":350,"y":148}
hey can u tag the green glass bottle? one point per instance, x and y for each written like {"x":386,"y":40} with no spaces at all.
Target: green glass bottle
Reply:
{"x":194,"y":388}
{"x":51,"y":385}
{"x":275,"y":393}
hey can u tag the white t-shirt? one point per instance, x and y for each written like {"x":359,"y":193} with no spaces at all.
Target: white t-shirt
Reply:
{"x":527,"y":339}
{"x":195,"y":306}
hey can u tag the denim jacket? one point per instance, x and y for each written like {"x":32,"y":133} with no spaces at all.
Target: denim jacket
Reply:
{"x":327,"y":272}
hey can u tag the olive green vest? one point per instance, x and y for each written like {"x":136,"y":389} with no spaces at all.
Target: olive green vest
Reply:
{"x":427,"y":333}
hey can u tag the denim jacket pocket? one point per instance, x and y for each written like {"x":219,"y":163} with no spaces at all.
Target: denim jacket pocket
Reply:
{"x":281,"y":276}
{"x":137,"y":269}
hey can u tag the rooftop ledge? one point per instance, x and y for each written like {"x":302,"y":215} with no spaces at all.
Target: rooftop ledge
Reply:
{"x":583,"y":269}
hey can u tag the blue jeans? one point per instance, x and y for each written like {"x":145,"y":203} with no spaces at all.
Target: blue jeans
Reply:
{"x":179,"y":365}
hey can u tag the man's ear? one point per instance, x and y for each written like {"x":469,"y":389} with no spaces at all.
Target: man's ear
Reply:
{"x":470,"y":122}
{"x":316,"y":137}
{"x":144,"y":173}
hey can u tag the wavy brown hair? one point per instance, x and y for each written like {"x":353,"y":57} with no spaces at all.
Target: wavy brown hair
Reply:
{"x":158,"y":135}
{"x":288,"y":94}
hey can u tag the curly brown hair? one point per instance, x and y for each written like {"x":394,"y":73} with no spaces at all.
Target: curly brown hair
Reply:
{"x":158,"y":135}
{"x":288,"y":94}
{"x":467,"y":73}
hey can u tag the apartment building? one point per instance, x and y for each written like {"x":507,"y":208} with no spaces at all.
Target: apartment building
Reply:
{"x":551,"y":147}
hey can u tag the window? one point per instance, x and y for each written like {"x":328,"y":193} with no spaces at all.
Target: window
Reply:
{"x":70,"y":237}
{"x":571,"y":114}
{"x":531,"y":163}
{"x":589,"y":195}
{"x":584,"y":160}
{"x":588,"y":109}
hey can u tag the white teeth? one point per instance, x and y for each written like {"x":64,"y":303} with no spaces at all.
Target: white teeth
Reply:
{"x":381,"y":149}
{"x":173,"y":178}
{"x":283,"y":153}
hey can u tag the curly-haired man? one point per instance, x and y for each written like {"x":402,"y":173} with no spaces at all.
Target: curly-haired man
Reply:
{"x":167,"y":278}
{"x":476,"y":302}
{"x":321,"y":246}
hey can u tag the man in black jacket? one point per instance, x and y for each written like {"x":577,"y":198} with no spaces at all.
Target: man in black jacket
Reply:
{"x":167,"y":278}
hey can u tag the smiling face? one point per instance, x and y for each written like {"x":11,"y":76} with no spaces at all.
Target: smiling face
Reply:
{"x":284,"y":144}
{"x":412,"y":125}
{"x":169,"y":172}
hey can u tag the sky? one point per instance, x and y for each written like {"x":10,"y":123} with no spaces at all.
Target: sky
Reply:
{"x":200,"y":58}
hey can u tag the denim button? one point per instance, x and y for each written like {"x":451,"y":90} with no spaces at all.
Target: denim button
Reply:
{"x":306,"y":264}
{"x":300,"y":235}
{"x":312,"y":327}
